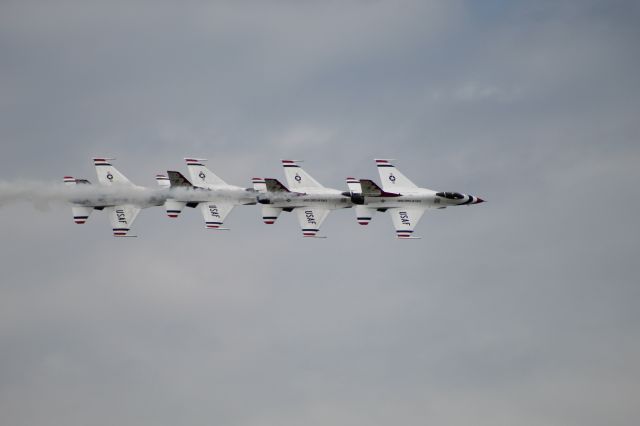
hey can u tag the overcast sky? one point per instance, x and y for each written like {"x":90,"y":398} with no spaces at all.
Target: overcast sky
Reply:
{"x":522,"y":310}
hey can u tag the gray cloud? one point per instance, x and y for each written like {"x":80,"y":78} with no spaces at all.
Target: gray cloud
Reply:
{"x":521,"y":310}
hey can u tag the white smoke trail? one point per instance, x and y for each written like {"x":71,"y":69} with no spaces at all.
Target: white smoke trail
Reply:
{"x":40,"y":194}
{"x":43,"y":194}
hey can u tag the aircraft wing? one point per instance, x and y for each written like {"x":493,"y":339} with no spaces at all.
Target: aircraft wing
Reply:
{"x":214,"y":213}
{"x":122,"y":218}
{"x":405,"y":219}
{"x":311,"y":219}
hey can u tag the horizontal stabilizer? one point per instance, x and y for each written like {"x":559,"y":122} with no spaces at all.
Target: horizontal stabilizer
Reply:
{"x":270,"y":214}
{"x":354,"y":185}
{"x":81,"y":214}
{"x":364,"y":214}
{"x":259,"y":184}
{"x":70,"y":180}
{"x":163,"y":181}
{"x":173,"y":207}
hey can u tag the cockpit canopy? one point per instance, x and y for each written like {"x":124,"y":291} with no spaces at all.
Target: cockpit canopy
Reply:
{"x":450,"y":195}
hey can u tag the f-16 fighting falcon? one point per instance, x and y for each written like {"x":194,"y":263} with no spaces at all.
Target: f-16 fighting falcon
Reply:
{"x":215,"y":197}
{"x":404,"y":200}
{"x":120,"y":198}
{"x":306,"y":196}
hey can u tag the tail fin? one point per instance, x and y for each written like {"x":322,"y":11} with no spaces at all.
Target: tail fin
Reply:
{"x":177,"y":180}
{"x":298,"y":178}
{"x":259,"y":185}
{"x":107,"y":174}
{"x":392,"y":180}
{"x":163,"y":181}
{"x":371,"y":189}
{"x":354,"y":185}
{"x":202,"y":175}
{"x":274,"y":185}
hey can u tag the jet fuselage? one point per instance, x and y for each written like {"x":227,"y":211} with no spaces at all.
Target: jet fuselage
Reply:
{"x":328,"y":198}
{"x":420,"y":197}
{"x":101,"y":196}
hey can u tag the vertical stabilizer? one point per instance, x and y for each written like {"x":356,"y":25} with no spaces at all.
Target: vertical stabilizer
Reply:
{"x":177,"y":180}
{"x":297,"y":178}
{"x":107,"y":174}
{"x":259,"y":185}
{"x":392,"y":180}
{"x":201,"y":175}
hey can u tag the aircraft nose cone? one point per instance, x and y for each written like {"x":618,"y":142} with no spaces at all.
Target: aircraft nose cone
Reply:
{"x":479,"y":200}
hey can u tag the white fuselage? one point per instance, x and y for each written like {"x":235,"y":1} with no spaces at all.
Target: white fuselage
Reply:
{"x":419,"y":197}
{"x":232,"y":194}
{"x":114,"y":195}
{"x":312,"y":197}
{"x":103,"y":196}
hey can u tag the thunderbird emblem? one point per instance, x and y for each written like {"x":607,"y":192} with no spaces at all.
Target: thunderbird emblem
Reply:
{"x":202,"y":175}
{"x":298,"y":178}
{"x":392,"y":178}
{"x":109,"y":176}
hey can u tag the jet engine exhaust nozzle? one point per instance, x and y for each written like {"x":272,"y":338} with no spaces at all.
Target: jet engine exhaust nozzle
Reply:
{"x":356,"y":198}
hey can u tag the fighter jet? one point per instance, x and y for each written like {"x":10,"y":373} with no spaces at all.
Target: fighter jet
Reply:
{"x":215,"y":197}
{"x":121,"y":199}
{"x":311,"y":201}
{"x":405,"y":202}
